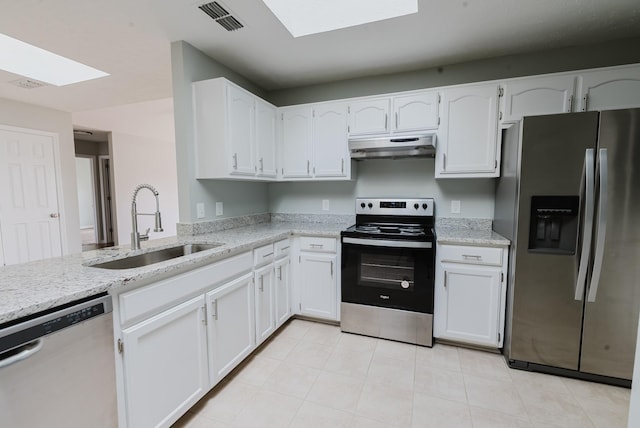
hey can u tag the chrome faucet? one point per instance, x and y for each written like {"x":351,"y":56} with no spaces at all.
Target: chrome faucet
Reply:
{"x":135,"y":236}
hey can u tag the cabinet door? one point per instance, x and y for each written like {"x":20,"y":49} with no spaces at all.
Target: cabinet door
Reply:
{"x":610,"y":89}
{"x":240,"y":128}
{"x":265,"y":313}
{"x":467,"y":304}
{"x":165,"y":365}
{"x":296,"y":140}
{"x":467,"y":141}
{"x":231,"y":329}
{"x":536,"y":96}
{"x":282,"y":292}
{"x":330,"y":148}
{"x":318,"y":286}
{"x":369,"y":117}
{"x":265,"y":139}
{"x":415,"y":112}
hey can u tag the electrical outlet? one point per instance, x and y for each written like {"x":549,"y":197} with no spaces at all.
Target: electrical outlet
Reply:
{"x":219,"y":210}
{"x":325,"y":205}
{"x":200,"y":210}
{"x":455,"y":207}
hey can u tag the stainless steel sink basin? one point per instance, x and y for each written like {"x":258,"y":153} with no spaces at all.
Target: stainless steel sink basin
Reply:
{"x":156,"y":256}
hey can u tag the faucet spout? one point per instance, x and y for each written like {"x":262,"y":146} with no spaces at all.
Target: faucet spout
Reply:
{"x":135,"y":236}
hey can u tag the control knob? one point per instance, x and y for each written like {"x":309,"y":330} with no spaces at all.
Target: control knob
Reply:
{"x":362,"y":205}
{"x":370,"y":205}
{"x":416,"y":206}
{"x":424,"y":206}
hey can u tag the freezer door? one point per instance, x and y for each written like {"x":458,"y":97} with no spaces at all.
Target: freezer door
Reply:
{"x":613,"y":296}
{"x":546,"y":318}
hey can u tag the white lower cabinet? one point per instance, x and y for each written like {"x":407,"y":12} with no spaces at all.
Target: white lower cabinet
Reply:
{"x":470,"y":292}
{"x":318,"y":285}
{"x":282,"y":291}
{"x":265,"y":312}
{"x":231,"y":327}
{"x":165,"y":365}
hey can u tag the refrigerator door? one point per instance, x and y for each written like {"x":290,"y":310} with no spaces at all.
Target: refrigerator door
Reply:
{"x":546,"y":319}
{"x":611,"y":312}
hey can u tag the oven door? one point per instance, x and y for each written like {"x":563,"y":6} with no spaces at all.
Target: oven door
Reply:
{"x":388,"y":273}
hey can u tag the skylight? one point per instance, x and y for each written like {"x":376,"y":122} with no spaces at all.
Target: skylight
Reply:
{"x":304,"y":17}
{"x":35,"y":63}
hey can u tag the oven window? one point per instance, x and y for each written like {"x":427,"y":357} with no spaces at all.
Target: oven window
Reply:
{"x":389,"y":271}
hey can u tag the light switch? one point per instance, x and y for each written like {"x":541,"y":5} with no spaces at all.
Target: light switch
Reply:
{"x":455,"y":207}
{"x":325,"y":205}
{"x":219,"y":210}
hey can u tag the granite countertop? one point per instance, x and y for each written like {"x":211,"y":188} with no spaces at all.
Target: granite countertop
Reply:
{"x":32,"y":287}
{"x":468,"y":232}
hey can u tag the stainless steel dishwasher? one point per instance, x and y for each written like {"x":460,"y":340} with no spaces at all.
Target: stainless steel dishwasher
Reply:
{"x":57,"y":368}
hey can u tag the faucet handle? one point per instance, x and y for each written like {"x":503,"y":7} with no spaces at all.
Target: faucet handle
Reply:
{"x":145,"y":236}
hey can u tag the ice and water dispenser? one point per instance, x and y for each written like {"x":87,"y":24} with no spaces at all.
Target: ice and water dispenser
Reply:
{"x":554,"y":224}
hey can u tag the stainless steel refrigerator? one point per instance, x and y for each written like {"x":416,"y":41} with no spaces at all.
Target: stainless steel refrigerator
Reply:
{"x":569,"y":200}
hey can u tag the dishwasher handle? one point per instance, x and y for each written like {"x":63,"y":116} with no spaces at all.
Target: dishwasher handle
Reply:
{"x":20,"y":353}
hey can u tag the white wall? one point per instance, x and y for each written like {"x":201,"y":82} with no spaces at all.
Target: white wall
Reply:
{"x":387,"y":178}
{"x":29,"y":116}
{"x":143,"y":151}
{"x":86,"y":200}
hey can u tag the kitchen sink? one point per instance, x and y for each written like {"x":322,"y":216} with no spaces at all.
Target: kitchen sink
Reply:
{"x":155,"y":256}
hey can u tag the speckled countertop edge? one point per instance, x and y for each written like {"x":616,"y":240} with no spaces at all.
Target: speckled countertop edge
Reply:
{"x":33,"y":287}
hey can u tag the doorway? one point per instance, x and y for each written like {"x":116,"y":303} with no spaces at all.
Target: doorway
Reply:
{"x":94,"y":178}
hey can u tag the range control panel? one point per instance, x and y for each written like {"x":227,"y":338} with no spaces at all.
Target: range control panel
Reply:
{"x":417,"y":207}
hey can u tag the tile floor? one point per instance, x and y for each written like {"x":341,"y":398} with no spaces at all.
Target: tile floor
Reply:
{"x":313,"y":375}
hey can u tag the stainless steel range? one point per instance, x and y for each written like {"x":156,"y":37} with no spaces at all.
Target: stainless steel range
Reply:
{"x":388,"y":260}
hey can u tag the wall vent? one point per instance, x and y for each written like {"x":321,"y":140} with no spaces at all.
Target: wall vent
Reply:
{"x":27,"y":83}
{"x":219,"y":14}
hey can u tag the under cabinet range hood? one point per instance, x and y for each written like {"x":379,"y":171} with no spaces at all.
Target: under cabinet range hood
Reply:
{"x":392,"y":147}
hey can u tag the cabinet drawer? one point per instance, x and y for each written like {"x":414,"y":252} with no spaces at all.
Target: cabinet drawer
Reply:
{"x":309,"y":243}
{"x":147,"y":300}
{"x":471,"y":255}
{"x":263,"y":255}
{"x":282,"y":248}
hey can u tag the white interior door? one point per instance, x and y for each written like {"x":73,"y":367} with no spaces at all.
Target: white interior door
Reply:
{"x":29,"y":211}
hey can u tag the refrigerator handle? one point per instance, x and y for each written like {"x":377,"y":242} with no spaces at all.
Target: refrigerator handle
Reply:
{"x":601,"y":225}
{"x":587,"y":227}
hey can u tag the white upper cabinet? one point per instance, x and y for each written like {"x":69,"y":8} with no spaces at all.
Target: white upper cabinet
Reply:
{"x":330,"y":152}
{"x":240,"y":120}
{"x":265,"y":139}
{"x":370,"y":116}
{"x":536,"y":96}
{"x":610,"y":88}
{"x":234,"y":132}
{"x":467,"y":138}
{"x":313,"y":142}
{"x":415,"y":111}
{"x":295,"y":139}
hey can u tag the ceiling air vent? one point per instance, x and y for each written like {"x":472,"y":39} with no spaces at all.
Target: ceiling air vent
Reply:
{"x":221,"y":16}
{"x":27,"y":83}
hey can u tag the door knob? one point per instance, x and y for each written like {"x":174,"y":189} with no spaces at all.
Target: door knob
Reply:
{"x":54,"y":215}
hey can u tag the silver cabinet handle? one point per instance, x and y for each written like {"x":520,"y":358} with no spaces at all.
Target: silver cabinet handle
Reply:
{"x":585,"y":100}
{"x":472,"y":256}
{"x":445,"y":280}
{"x":214,"y":308}
{"x":261,"y":164}
{"x":587,"y":228}
{"x":332,"y":268}
{"x":261,"y":283}
{"x":342,"y":167}
{"x":602,"y":225}
{"x":444,"y":161}
{"x":386,"y":120}
{"x":235,"y":161}
{"x":308,"y":167}
{"x":267,"y":255}
{"x":316,"y":245}
{"x":279,"y":273}
{"x":396,"y":120}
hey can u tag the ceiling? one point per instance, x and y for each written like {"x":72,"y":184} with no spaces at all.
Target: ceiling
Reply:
{"x":130,"y":39}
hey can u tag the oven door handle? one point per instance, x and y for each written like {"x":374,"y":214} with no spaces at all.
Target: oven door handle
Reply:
{"x":387,"y":243}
